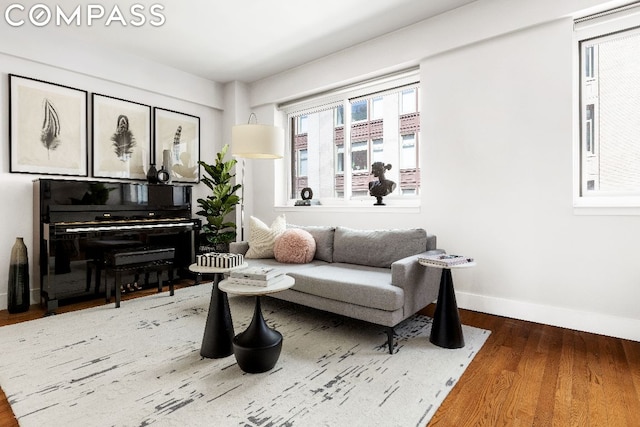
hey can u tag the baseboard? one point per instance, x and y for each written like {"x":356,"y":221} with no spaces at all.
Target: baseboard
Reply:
{"x":4,"y":298}
{"x":597,"y":323}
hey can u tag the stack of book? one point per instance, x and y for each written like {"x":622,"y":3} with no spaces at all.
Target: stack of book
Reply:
{"x":443,"y":260}
{"x":256,"y":276}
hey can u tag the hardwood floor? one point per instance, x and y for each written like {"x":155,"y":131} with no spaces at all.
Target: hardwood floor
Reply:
{"x":526,"y":374}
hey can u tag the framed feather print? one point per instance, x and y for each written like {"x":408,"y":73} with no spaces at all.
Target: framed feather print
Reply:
{"x":177,"y":144}
{"x":121,"y":138}
{"x":47,"y":128}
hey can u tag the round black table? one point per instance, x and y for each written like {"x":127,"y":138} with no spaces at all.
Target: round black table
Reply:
{"x":257,"y":349}
{"x":218,"y":331}
{"x":446,"y":330}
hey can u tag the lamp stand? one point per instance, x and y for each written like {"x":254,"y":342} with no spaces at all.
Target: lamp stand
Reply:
{"x":242,"y":204}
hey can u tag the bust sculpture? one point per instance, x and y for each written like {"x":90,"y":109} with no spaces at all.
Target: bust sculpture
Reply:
{"x":382,"y":186}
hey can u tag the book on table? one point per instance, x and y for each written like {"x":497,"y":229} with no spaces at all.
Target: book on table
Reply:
{"x":444,"y":260}
{"x":256,"y":273}
{"x":257,"y":282}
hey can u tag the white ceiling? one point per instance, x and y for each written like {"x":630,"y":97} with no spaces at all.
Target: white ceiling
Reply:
{"x":244,"y":40}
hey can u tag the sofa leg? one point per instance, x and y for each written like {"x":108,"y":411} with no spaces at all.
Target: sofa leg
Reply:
{"x":390,"y":334}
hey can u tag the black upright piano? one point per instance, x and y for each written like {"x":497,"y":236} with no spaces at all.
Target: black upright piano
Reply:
{"x":77,"y":222}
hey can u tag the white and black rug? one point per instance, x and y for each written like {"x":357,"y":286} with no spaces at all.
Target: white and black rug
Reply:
{"x":140,"y":365}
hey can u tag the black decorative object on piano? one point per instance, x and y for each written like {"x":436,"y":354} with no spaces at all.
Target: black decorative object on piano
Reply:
{"x":152,"y":174}
{"x":78,"y":223}
{"x":163,"y":176}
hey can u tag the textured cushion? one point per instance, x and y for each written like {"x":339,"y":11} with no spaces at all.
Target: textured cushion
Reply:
{"x":323,"y":235}
{"x":354,"y":284}
{"x":294,"y":246}
{"x":262,"y":238}
{"x":377,"y":248}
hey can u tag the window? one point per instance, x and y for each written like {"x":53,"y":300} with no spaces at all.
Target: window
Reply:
{"x":609,"y":55}
{"x":409,"y":101}
{"x":360,"y":156}
{"x":589,"y":133}
{"x":340,"y":158}
{"x":302,"y":124}
{"x":336,"y":138}
{"x":408,"y":156}
{"x":339,"y":115}
{"x":378,"y":151}
{"x":359,"y":111}
{"x":377,"y":108}
{"x":302,"y":165}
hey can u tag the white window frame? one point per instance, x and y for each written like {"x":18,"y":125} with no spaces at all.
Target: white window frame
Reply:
{"x":329,"y":100}
{"x":586,"y":28}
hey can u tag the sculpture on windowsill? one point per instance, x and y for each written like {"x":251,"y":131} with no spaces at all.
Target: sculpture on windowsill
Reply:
{"x":382,"y":187}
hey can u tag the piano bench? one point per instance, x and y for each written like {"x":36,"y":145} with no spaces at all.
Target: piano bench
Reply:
{"x":138,"y":262}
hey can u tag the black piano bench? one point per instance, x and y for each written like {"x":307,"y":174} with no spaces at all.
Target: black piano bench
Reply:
{"x":142,"y":261}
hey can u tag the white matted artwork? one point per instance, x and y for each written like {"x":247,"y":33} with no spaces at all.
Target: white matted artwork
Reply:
{"x":177,"y":144}
{"x":47,"y":128}
{"x":121,"y":138}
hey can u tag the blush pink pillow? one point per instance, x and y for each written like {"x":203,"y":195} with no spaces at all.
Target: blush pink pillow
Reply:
{"x":294,"y":246}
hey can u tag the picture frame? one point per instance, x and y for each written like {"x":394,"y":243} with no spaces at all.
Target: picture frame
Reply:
{"x":177,"y":144}
{"x":47,"y":128}
{"x":121,"y":138}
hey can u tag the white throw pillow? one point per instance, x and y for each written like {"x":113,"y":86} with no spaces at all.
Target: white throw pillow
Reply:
{"x":263,"y":238}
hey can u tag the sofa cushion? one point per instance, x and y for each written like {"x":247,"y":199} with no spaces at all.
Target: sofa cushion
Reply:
{"x":286,"y":268}
{"x":294,"y":246}
{"x":377,"y":248}
{"x":323,"y":235}
{"x":353,"y":284}
{"x":262,"y":238}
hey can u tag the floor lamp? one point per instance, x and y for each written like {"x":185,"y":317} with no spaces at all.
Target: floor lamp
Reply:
{"x":255,"y":141}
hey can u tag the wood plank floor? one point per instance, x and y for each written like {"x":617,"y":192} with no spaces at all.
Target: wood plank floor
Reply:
{"x":526,"y":374}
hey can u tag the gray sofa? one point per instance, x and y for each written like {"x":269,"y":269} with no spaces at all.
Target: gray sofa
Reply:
{"x":370,"y":275}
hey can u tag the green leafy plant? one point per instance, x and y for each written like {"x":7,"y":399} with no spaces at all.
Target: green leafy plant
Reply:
{"x":221,"y":202}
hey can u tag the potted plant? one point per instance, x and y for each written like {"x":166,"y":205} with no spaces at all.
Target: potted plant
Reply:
{"x":222,"y":201}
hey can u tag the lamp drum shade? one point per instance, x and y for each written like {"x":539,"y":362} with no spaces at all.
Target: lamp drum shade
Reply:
{"x":257,"y":141}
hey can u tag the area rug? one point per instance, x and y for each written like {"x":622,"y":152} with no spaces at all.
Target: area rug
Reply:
{"x":140,"y":365}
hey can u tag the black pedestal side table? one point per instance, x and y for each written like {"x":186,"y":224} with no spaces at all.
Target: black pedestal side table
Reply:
{"x":446,"y":330}
{"x":257,"y":349}
{"x":218,"y":331}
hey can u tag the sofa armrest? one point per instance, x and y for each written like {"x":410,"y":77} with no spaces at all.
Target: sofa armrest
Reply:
{"x":420,"y":284}
{"x":239,"y":247}
{"x":432,"y":243}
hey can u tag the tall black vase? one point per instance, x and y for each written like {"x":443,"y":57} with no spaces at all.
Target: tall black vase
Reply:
{"x":19,"y":293}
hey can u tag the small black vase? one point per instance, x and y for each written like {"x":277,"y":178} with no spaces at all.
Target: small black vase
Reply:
{"x":152,"y":174}
{"x":18,"y":287}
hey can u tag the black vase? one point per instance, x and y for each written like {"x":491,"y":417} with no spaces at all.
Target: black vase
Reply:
{"x":19,"y":293}
{"x":152,"y":174}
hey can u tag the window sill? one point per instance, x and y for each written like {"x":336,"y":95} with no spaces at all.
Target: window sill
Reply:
{"x":392,"y":206}
{"x":606,"y":206}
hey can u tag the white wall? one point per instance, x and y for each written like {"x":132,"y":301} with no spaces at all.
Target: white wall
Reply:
{"x":497,"y":135}
{"x":99,"y":72}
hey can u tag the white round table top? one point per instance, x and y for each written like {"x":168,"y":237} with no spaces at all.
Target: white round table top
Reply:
{"x":211,"y":270}
{"x":465,"y":265}
{"x":232,"y":287}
